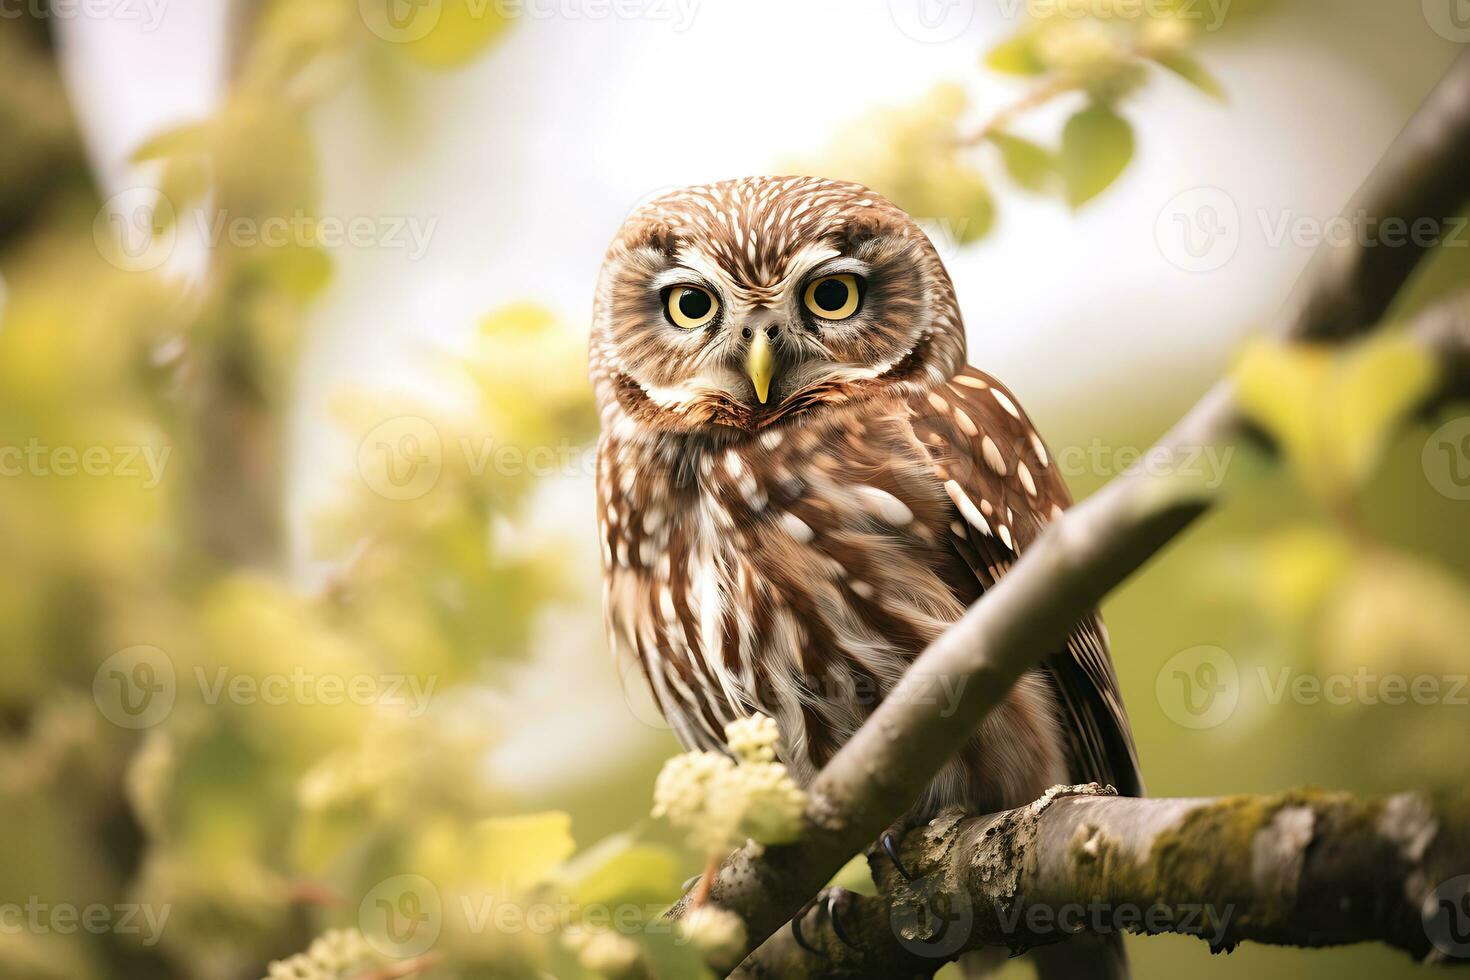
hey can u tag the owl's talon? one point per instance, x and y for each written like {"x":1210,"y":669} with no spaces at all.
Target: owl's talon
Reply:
{"x":796,"y":932}
{"x":890,"y":847}
{"x":831,"y":901}
{"x":834,"y":908}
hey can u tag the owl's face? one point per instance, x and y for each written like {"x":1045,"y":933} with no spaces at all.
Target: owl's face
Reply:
{"x":752,"y":302}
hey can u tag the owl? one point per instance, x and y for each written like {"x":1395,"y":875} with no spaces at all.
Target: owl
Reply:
{"x":801,"y":484}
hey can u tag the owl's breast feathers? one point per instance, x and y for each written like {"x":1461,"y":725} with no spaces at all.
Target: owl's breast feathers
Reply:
{"x":798,"y":572}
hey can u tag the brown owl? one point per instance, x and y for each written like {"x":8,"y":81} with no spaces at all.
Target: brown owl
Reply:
{"x":801,"y":484}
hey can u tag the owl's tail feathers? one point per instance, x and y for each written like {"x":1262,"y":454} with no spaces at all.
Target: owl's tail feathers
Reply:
{"x":1085,"y":957}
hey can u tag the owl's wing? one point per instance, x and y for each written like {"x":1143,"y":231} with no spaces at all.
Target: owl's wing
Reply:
{"x":1005,"y":488}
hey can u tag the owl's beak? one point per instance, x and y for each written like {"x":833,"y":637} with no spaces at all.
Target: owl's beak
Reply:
{"x":760,"y":365}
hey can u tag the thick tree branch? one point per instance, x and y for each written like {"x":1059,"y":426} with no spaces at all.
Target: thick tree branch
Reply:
{"x":881,"y":771}
{"x":1300,"y":869}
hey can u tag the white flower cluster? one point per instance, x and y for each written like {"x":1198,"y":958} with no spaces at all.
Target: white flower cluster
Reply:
{"x":718,"y":934}
{"x":1165,"y":36}
{"x":603,"y":951}
{"x":1081,"y":49}
{"x":753,"y":739}
{"x":721,"y":803}
{"x":338,"y":954}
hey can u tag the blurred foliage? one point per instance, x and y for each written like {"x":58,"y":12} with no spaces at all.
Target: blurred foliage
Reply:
{"x":186,"y":734}
{"x":1091,"y":54}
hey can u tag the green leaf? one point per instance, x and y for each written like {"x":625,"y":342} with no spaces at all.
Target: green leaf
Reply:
{"x":620,"y":870}
{"x":1015,"y":56}
{"x":1097,"y":145}
{"x":1281,"y":388}
{"x":1332,"y":414}
{"x":1031,"y":166}
{"x":1377,"y":386}
{"x":1194,"y":73}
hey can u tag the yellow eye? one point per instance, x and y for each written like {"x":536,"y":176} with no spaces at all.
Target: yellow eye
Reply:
{"x":691,"y":307}
{"x":834,"y":297}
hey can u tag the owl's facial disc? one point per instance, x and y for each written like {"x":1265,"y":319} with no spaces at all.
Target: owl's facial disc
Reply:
{"x":748,"y":304}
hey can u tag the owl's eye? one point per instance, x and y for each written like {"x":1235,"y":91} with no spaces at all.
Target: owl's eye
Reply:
{"x":691,"y":307}
{"x":834,"y":297}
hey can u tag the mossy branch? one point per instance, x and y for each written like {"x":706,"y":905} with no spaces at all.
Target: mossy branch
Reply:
{"x":882,"y":770}
{"x":1306,"y":868}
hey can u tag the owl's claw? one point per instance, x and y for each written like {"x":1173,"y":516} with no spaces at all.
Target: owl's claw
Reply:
{"x":834,"y":898}
{"x":796,"y":933}
{"x":831,"y":901}
{"x":890,"y":847}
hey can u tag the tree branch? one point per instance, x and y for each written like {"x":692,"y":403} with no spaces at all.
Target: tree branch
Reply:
{"x":1300,"y":869}
{"x":1421,"y":177}
{"x":879,"y":773}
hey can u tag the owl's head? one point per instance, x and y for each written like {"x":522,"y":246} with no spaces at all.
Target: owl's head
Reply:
{"x":746,"y":303}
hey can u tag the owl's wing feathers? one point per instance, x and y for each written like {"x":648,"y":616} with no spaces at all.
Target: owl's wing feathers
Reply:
{"x":1004,"y":488}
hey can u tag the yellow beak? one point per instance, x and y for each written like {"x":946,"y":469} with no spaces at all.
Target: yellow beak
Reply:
{"x":759,"y":365}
